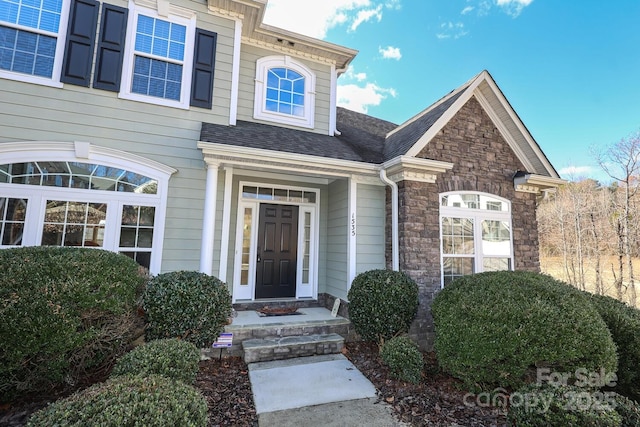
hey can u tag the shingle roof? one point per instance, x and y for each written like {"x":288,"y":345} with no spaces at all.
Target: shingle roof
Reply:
{"x":404,"y":138}
{"x":361,"y":138}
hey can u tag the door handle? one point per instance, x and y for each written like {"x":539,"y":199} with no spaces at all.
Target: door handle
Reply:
{"x":258,"y":258}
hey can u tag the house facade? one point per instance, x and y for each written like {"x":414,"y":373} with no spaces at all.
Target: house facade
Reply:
{"x":189,"y":135}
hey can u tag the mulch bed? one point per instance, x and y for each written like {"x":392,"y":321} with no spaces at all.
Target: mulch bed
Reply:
{"x":437,"y":401}
{"x":226,"y":386}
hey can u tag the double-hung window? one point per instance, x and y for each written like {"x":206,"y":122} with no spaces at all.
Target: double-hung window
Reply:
{"x":476,"y":236}
{"x":159,"y":57}
{"x":32,"y":39}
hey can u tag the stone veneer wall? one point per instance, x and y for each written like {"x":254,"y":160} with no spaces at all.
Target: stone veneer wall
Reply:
{"x":484,"y":162}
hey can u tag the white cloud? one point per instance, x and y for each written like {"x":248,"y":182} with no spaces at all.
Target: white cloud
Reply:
{"x":451,"y":30}
{"x":393,"y":4}
{"x":513,"y":7}
{"x":575,"y":171}
{"x":351,"y":74}
{"x":390,"y":52}
{"x":315,"y":18}
{"x":366,"y":15}
{"x":467,"y":9}
{"x":360,"y":98}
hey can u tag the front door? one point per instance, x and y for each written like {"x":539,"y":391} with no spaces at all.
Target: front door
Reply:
{"x":276,"y":252}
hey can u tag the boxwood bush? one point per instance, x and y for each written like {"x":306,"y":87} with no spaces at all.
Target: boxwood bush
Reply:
{"x":537,"y":405}
{"x":382,"y":304}
{"x":128,"y":401}
{"x":170,"y":357}
{"x":65,"y":313}
{"x":494,"y":329}
{"x":624,"y":324}
{"x":629,"y":411}
{"x":404,"y":359}
{"x":188,"y":305}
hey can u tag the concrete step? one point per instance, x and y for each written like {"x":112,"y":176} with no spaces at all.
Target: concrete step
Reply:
{"x":289,"y":347}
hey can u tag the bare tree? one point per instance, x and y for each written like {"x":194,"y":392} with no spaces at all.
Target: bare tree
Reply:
{"x":621,"y":161}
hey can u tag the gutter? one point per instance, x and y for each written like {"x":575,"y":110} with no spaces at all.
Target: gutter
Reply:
{"x":395,"y":258}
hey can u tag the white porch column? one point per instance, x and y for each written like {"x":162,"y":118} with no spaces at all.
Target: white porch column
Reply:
{"x":209,"y":219}
{"x":226,"y":223}
{"x":352,"y":240}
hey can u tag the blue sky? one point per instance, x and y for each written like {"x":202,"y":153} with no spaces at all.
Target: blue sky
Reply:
{"x":570,"y":69}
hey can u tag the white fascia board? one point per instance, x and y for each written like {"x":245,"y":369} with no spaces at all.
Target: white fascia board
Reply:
{"x":444,"y":119}
{"x":540,"y":181}
{"x":432,"y":106}
{"x":427,"y":165}
{"x":281,"y":161}
{"x":521,"y":127}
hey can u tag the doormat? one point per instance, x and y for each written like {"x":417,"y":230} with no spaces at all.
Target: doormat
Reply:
{"x":278,"y":311}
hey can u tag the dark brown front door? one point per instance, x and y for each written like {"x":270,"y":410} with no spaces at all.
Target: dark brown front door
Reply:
{"x":277,"y":249}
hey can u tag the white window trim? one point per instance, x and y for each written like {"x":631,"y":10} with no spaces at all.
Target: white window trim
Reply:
{"x":173,"y":14}
{"x":309,"y":289}
{"x":303,"y":290}
{"x":477,"y":215}
{"x":88,"y":153}
{"x":61,"y":38}
{"x":263,"y":65}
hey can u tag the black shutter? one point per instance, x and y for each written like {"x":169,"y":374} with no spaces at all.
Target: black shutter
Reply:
{"x":113,"y":30}
{"x":204,"y":59}
{"x":81,"y":35}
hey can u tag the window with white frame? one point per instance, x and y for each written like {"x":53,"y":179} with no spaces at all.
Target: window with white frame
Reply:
{"x":159,"y":54}
{"x":81,"y":204}
{"x":476,"y":235}
{"x":285,"y":91}
{"x":32,"y":39}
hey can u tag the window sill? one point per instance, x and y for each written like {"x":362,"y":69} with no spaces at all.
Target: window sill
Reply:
{"x":9,"y":75}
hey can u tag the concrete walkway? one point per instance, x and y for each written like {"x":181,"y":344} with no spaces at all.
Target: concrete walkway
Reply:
{"x":323,"y":390}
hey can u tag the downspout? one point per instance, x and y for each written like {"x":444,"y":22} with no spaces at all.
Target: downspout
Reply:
{"x":333,"y":100}
{"x":395,"y":257}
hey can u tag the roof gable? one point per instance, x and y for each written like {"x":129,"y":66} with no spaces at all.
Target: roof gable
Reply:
{"x":412,"y":136}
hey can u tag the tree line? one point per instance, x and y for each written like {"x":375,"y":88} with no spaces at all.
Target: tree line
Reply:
{"x":594,"y":228}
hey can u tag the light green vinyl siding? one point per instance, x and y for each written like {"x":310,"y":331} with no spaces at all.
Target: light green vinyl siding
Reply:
{"x":337,"y":226}
{"x":30,"y":112}
{"x":370,"y":236}
{"x":248,"y":59}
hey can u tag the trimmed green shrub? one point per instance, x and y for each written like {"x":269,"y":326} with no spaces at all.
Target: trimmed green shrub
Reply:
{"x":629,"y":411}
{"x":494,"y":329}
{"x":172,"y":358}
{"x":188,"y":305}
{"x":624,"y":324}
{"x":382,"y":304}
{"x":65,"y":313}
{"x":404,"y":359}
{"x":128,"y":401}
{"x":567,"y":406}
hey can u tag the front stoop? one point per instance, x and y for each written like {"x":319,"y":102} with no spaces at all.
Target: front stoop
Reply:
{"x":264,"y":350}
{"x":313,"y":332}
